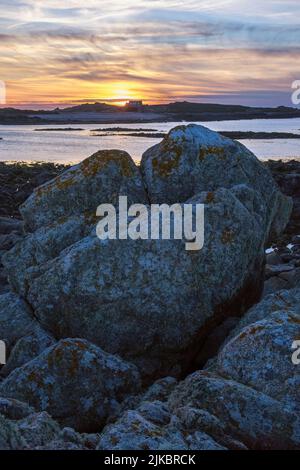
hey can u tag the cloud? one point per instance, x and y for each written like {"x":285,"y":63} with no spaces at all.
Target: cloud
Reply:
{"x":152,"y":48}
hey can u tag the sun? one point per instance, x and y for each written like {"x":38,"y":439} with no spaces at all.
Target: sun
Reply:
{"x":120,"y":94}
{"x":120,"y":103}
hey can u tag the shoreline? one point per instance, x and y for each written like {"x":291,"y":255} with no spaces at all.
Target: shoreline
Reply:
{"x":183,"y":120}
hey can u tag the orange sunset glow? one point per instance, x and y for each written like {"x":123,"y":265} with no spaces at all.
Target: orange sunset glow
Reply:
{"x":157,"y":52}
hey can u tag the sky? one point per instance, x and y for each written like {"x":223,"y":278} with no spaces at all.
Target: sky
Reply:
{"x":57,"y":53}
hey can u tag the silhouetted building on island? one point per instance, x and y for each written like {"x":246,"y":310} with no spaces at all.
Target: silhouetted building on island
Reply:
{"x":134,"y":105}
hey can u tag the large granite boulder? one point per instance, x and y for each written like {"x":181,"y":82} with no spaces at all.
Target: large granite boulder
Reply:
{"x":76,"y":382}
{"x":150,"y":301}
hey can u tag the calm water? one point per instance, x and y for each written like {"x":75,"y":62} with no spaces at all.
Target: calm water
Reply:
{"x":22,"y":143}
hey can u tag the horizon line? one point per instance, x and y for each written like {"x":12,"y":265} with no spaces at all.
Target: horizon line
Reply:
{"x":28,"y":106}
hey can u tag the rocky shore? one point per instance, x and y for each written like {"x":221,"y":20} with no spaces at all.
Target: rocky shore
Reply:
{"x":141,"y":344}
{"x":283,"y":264}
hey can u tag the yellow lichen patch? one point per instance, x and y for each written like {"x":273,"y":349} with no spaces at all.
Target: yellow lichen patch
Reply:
{"x":274,"y":308}
{"x":56,"y":357}
{"x":62,"y":220}
{"x":227,"y":236}
{"x":251,"y":331}
{"x":35,"y":377}
{"x":211,"y":150}
{"x":210,"y":197}
{"x":294,"y":319}
{"x":92,"y":165}
{"x":172,"y":151}
{"x":80,"y":345}
{"x":153,"y":432}
{"x":145,"y":446}
{"x":114,"y":440}
{"x":74,"y":364}
{"x":61,"y":183}
{"x":43,"y":190}
{"x":135,"y":425}
{"x":164,"y":168}
{"x":90,"y":217}
{"x":65,"y":183}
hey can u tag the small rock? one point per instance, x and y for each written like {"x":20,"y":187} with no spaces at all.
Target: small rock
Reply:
{"x":274,"y":270}
{"x":274,"y":284}
{"x":10,"y":437}
{"x":27,"y":348}
{"x":76,"y":382}
{"x":133,"y":431}
{"x":15,"y":318}
{"x":14,"y":409}
{"x":273,"y":258}
{"x":9,"y":224}
{"x":38,"y":429}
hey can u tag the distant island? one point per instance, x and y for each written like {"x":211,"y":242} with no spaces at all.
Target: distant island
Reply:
{"x":60,"y":129}
{"x":154,"y":133}
{"x":179,"y":111}
{"x":240,"y":135}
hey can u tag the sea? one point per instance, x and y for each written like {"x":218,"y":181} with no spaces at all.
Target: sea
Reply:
{"x":24,"y":143}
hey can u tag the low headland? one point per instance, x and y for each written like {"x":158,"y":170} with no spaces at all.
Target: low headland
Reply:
{"x":172,"y":112}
